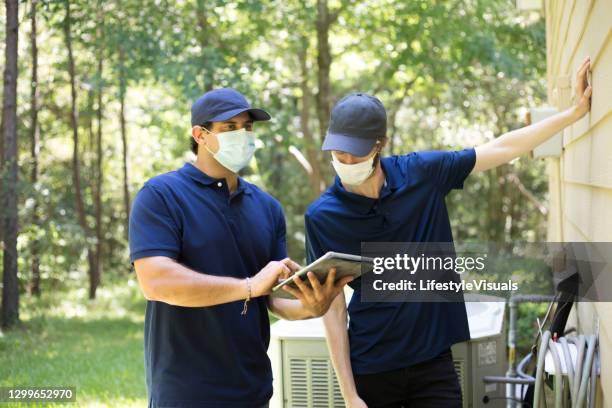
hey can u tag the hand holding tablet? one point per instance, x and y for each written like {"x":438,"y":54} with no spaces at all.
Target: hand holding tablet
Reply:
{"x":332,"y":265}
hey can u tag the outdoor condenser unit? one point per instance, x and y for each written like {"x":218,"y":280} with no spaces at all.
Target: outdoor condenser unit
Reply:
{"x":304,"y":376}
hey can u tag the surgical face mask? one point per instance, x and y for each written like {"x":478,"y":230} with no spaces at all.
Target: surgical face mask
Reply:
{"x":236,"y":149}
{"x":353,"y":174}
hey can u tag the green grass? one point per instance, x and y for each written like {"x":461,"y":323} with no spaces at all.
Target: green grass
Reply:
{"x":67,"y":340}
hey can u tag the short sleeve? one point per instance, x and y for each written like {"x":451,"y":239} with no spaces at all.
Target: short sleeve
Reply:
{"x":313,"y":248}
{"x":280,"y":248}
{"x":448,"y":169}
{"x":152,"y":230}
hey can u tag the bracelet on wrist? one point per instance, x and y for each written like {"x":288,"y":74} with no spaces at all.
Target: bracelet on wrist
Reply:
{"x":246,"y":301}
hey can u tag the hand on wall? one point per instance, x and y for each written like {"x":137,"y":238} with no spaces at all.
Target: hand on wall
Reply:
{"x":583,"y":90}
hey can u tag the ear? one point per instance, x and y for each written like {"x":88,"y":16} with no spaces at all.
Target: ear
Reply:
{"x":382,"y":143}
{"x":197,"y":133}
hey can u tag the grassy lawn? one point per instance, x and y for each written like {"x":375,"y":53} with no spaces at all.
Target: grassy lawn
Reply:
{"x":67,"y":340}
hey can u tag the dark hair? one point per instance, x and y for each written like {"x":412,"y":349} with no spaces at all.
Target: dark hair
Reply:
{"x":194,"y":144}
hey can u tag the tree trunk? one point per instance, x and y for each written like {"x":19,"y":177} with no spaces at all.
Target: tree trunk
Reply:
{"x":312,"y":147}
{"x":126,"y":185}
{"x":76,"y":171}
{"x":205,"y":35}
{"x":35,"y":136}
{"x":97,"y":270}
{"x":324,"y":60}
{"x":324,"y":65}
{"x":10,"y":289}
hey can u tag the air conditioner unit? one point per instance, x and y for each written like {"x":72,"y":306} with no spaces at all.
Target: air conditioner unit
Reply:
{"x":304,"y":376}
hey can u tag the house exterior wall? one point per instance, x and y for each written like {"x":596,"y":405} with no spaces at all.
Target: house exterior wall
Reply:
{"x":580,"y":180}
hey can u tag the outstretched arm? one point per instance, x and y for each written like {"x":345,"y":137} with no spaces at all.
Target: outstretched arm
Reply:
{"x":520,"y":141}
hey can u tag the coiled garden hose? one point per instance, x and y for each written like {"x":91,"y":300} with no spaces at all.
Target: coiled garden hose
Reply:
{"x":582,"y":377}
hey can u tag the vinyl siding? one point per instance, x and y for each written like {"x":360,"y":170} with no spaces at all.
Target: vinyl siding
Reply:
{"x":581,"y":179}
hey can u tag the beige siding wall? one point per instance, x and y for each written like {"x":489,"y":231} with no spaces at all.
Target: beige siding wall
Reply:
{"x":581,"y":179}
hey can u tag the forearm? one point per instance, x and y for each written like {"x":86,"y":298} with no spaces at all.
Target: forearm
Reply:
{"x":520,"y":141}
{"x":288,"y":309}
{"x":170,"y":282}
{"x":335,"y":322}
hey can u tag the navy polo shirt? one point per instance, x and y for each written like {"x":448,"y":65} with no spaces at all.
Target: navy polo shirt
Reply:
{"x":207,"y":356}
{"x":385,"y":336}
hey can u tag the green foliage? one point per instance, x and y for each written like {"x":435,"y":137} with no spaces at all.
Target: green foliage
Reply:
{"x":452,"y":74}
{"x":527,"y":325}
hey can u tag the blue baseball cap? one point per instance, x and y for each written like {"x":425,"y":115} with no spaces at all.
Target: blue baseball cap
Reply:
{"x":222,"y":104}
{"x":357,"y":122}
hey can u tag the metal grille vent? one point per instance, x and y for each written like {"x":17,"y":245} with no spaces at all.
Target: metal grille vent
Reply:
{"x":313,"y":384}
{"x":460,"y":370}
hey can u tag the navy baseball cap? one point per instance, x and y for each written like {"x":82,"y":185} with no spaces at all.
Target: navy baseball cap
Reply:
{"x":222,"y":104}
{"x":357,"y":121}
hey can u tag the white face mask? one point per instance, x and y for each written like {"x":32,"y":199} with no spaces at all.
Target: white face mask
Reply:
{"x":353,"y":174}
{"x":236,"y":149}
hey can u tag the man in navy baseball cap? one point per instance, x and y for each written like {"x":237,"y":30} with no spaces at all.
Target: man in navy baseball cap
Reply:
{"x":397,"y":354}
{"x":221,"y":105}
{"x":357,"y":122}
{"x":356,"y":135}
{"x":207,"y":247}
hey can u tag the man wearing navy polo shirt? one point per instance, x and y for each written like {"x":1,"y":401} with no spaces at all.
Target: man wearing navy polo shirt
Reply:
{"x":207,"y":247}
{"x":398,"y":354}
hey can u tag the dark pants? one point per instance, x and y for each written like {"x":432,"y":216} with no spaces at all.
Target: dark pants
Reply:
{"x":430,"y":384}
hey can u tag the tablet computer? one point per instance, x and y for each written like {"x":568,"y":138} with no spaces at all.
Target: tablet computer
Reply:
{"x":345,"y":264}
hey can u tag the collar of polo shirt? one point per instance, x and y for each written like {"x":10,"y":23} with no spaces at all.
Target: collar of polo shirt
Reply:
{"x":203,"y":178}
